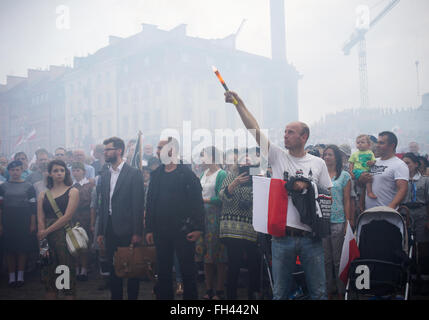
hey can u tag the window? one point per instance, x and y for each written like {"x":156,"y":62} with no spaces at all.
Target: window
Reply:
{"x":100,"y":129}
{"x":125,"y":125}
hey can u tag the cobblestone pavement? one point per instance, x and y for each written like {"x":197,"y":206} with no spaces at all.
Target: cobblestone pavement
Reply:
{"x":89,"y":290}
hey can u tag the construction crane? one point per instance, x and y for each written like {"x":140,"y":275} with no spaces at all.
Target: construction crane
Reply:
{"x":358,"y":37}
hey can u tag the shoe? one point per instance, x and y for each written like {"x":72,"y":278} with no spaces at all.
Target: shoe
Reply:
{"x":83,"y":277}
{"x":13,"y":284}
{"x":220,"y":295}
{"x":209,"y":295}
{"x":179,"y":290}
{"x":19,"y":284}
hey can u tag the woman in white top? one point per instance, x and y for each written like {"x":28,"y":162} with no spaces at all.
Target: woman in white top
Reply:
{"x":209,"y":248}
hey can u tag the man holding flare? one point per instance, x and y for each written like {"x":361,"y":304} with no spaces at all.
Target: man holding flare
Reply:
{"x":298,"y":240}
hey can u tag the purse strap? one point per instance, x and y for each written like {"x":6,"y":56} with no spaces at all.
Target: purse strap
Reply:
{"x":53,"y":204}
{"x":59,"y":215}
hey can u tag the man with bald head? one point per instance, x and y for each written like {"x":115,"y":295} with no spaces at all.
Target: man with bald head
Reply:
{"x":174,"y":219}
{"x":290,"y":162}
{"x":79,"y":156}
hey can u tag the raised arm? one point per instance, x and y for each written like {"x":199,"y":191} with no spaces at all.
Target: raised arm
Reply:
{"x":248,"y":119}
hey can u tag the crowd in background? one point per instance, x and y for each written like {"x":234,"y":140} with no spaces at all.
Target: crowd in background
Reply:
{"x":228,"y":242}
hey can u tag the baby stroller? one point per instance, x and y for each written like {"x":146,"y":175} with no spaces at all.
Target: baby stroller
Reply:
{"x":386,"y":249}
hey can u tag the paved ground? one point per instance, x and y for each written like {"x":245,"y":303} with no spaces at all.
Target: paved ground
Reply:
{"x":90,"y":290}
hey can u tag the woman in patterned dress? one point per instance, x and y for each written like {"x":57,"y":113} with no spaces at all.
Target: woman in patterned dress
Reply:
{"x":236,"y":230}
{"x":52,"y":228}
{"x":209,"y":247}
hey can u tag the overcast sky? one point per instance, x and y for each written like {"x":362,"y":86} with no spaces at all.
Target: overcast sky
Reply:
{"x":315,"y":31}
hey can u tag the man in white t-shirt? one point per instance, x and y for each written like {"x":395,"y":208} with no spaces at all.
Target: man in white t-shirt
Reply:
{"x":298,"y":240}
{"x":389,"y":175}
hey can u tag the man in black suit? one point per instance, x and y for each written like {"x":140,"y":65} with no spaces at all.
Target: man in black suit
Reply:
{"x":121,"y":211}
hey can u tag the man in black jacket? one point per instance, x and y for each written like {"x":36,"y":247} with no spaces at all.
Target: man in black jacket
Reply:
{"x":174,"y":220}
{"x":121,"y":211}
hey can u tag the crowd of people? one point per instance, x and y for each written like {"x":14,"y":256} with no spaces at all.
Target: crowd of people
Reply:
{"x":199,"y":216}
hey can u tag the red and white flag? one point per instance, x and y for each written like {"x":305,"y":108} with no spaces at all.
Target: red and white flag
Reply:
{"x":31,"y":135}
{"x":20,"y":140}
{"x":270,"y":202}
{"x":349,"y":253}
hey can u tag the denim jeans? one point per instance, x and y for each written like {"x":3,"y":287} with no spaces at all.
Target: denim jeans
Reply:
{"x":310,"y":252}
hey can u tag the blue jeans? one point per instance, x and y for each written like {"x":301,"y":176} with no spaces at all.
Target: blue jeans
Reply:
{"x":310,"y":252}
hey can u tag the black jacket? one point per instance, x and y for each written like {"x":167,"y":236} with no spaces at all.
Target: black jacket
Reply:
{"x":127,"y":202}
{"x":191,"y":207}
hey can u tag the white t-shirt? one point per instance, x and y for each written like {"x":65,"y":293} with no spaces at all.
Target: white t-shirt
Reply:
{"x":309,"y":166}
{"x":208,"y":183}
{"x":385,"y":173}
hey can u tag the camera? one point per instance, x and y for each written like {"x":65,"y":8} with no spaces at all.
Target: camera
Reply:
{"x":45,"y":258}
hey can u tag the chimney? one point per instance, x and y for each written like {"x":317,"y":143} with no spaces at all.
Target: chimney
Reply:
{"x":278,"y":30}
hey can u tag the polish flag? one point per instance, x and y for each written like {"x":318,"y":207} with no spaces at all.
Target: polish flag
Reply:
{"x":20,"y":141}
{"x":270,"y":202}
{"x":349,"y":253}
{"x":31,"y":135}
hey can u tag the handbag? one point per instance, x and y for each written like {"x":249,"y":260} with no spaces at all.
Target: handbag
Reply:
{"x":76,"y":237}
{"x":134,"y":262}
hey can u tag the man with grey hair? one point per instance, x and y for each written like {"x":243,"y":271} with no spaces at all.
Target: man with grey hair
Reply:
{"x":174,"y":219}
{"x":298,"y":239}
{"x":79,"y":156}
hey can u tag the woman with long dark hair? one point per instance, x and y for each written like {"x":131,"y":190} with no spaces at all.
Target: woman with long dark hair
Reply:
{"x":51,"y":227}
{"x":340,"y":213}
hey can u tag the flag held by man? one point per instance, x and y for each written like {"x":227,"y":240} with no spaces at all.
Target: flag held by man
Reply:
{"x":270,"y":203}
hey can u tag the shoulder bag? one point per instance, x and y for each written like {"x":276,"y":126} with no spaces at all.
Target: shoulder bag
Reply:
{"x":76,"y":237}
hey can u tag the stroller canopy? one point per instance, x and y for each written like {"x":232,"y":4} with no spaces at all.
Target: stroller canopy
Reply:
{"x":383,"y":214}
